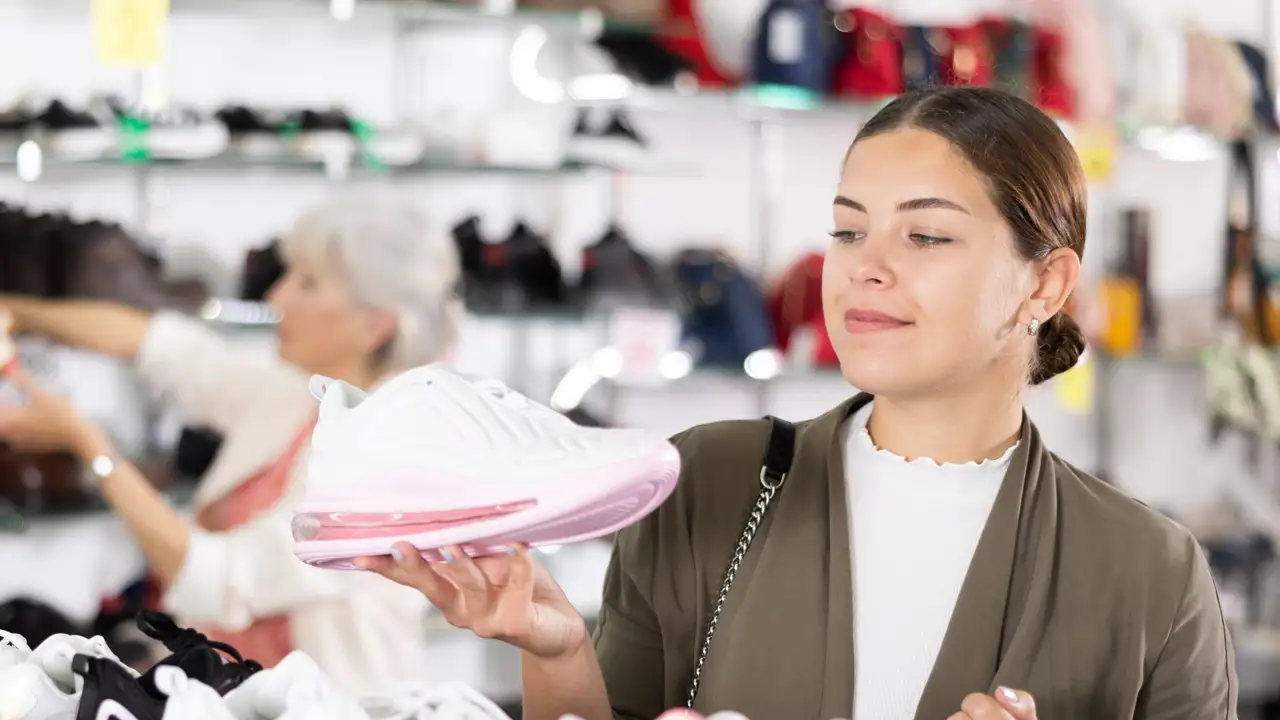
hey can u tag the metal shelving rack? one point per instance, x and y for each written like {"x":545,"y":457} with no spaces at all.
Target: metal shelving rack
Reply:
{"x":766,"y":116}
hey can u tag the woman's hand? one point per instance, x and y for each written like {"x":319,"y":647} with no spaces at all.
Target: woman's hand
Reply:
{"x":46,"y":422}
{"x":1004,"y":704}
{"x":507,"y":597}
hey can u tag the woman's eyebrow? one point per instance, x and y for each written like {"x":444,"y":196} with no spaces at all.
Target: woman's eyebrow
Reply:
{"x":928,"y":203}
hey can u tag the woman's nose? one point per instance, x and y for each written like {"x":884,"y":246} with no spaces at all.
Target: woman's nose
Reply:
{"x":870,"y":262}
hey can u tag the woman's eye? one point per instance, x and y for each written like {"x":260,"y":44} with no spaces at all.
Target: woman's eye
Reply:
{"x":921,"y":239}
{"x":845,"y":235}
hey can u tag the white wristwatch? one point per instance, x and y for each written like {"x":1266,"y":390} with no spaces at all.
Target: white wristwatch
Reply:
{"x":101,"y":467}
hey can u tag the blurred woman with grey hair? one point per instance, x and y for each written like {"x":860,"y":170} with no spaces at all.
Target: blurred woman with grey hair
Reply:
{"x":369,"y":291}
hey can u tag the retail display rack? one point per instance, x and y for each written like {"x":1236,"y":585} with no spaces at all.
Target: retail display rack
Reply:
{"x":765,"y":111}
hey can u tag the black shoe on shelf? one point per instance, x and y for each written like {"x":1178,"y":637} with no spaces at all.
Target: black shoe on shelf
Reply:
{"x":483,"y":267}
{"x":325,"y":134}
{"x":615,"y":273}
{"x":253,"y":132}
{"x":639,"y":56}
{"x":16,"y":120}
{"x":263,"y":268}
{"x":615,"y":145}
{"x":75,"y":134}
{"x":534,"y":279}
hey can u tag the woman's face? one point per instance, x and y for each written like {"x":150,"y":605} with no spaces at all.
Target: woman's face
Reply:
{"x":321,"y":329}
{"x":922,"y":287}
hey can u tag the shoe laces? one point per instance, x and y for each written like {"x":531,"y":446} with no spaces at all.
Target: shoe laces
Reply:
{"x":505,"y":395}
{"x":162,"y":627}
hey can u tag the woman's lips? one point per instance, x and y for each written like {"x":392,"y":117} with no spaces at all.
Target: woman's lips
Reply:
{"x":858,"y":322}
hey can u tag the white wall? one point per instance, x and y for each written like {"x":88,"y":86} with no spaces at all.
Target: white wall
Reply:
{"x":282,"y":58}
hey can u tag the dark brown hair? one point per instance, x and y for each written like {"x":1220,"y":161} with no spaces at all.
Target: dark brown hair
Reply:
{"x":1033,"y":175}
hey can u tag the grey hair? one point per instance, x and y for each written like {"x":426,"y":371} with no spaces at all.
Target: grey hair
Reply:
{"x":389,"y":257}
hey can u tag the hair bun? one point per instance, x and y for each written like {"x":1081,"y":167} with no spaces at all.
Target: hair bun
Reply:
{"x":1059,"y":344}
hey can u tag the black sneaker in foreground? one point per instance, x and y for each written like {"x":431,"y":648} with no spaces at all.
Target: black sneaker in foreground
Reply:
{"x":195,"y":654}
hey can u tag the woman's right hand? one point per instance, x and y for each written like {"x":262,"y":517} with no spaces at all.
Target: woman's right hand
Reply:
{"x":506,"y":597}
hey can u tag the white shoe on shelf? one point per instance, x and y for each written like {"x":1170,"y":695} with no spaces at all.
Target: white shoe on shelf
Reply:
{"x":42,"y":686}
{"x":610,"y":141}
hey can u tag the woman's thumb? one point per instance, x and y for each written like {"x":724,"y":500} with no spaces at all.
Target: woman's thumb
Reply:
{"x":1019,"y":704}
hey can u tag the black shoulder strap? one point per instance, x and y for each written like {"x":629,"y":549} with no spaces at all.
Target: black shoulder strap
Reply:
{"x":777,"y":463}
{"x":781,"y":449}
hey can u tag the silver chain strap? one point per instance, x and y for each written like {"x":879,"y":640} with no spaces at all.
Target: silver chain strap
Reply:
{"x":768,"y":488}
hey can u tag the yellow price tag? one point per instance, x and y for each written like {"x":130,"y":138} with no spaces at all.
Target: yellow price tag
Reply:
{"x":1075,"y":387}
{"x":130,"y":33}
{"x":1097,"y":150}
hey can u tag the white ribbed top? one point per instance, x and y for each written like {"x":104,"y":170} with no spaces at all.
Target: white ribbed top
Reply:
{"x":914,"y":526}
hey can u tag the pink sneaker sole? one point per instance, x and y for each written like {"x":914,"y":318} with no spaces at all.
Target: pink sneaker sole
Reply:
{"x":593,"y":504}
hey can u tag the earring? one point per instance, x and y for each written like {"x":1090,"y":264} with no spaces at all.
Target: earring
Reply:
{"x":1033,"y":326}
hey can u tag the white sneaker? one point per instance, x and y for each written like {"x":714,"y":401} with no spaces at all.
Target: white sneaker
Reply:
{"x":444,"y":701}
{"x":435,"y":458}
{"x":188,"y":699}
{"x":294,"y":689}
{"x":42,"y":686}
{"x":13,"y":649}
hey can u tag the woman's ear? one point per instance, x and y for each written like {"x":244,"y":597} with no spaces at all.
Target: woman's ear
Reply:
{"x":1056,"y":278}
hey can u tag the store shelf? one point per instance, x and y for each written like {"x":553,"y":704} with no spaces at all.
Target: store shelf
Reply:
{"x":336,"y":168}
{"x":431,"y":15}
{"x":415,"y":14}
{"x":410,"y":15}
{"x":1169,"y":359}
{"x":749,"y":99}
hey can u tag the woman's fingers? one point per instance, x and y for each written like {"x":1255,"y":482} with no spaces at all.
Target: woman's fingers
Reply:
{"x":521,"y":570}
{"x":492,"y":595}
{"x":466,"y":576}
{"x":406,"y":566}
{"x":516,"y":599}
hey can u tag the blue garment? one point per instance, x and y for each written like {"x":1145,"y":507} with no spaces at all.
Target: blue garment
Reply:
{"x":921,"y":63}
{"x":725,"y":316}
{"x":792,"y":47}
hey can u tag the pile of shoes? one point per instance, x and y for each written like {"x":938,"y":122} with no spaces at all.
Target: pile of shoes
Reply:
{"x":724,"y":310}
{"x":519,"y":273}
{"x":52,"y":256}
{"x":106,"y":129}
{"x":437,"y":459}
{"x":68,"y":677}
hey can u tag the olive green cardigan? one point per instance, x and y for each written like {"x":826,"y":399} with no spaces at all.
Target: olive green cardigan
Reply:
{"x":1098,"y":606}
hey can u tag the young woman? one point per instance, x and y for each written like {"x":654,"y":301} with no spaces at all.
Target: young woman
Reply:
{"x":922,"y":555}
{"x":369,"y":291}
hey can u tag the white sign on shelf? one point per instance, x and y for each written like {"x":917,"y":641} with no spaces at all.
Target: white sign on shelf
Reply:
{"x":646,"y":345}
